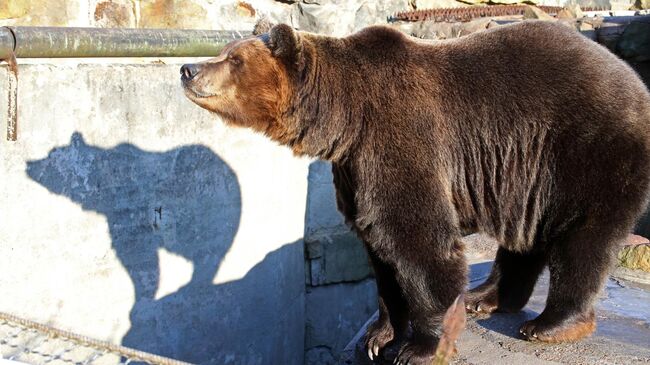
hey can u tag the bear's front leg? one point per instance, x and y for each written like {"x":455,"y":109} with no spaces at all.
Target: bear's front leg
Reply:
{"x":431,"y":280}
{"x":392,"y":323}
{"x":424,"y":250}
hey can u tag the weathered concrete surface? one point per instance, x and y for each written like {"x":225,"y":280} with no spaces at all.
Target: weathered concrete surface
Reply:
{"x":129,"y":214}
{"x":622,"y":337}
{"x":334,"y":313}
{"x":340,"y":296}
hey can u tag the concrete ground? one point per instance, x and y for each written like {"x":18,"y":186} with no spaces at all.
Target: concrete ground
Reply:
{"x":622,"y":337}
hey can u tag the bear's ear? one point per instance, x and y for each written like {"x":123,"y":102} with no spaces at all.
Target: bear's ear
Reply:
{"x":77,"y":139}
{"x":286,"y":45}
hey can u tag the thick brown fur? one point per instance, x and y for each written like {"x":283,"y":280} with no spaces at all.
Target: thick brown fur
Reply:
{"x":530,"y":133}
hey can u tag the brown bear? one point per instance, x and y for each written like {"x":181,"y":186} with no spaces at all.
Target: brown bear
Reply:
{"x":530,"y":133}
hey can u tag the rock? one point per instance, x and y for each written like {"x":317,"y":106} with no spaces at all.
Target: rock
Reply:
{"x":587,"y":29}
{"x":40,"y":13}
{"x":634,"y":43}
{"x":430,"y":29}
{"x":642,"y":4}
{"x":570,"y":11}
{"x":476,"y":25}
{"x":14,"y":9}
{"x":533,"y":12}
{"x":180,"y":14}
{"x":340,"y":19}
{"x":262,"y":26}
{"x":621,"y":4}
{"x":114,"y":14}
{"x":575,"y":10}
{"x":636,"y":257}
{"x":565,"y":14}
{"x":224,"y":15}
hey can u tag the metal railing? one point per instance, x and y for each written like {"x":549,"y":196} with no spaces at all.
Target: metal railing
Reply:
{"x":52,"y":42}
{"x":70,"y":42}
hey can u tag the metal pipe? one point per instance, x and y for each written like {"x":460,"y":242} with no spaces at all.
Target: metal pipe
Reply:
{"x":7,"y":43}
{"x":55,"y":42}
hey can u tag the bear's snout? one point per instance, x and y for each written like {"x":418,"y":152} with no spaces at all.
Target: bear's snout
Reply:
{"x":188,"y":71}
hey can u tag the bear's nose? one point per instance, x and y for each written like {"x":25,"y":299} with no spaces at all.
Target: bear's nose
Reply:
{"x":189,"y":71}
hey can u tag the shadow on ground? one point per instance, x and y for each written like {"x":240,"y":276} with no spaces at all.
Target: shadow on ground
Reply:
{"x":507,"y":324}
{"x":186,"y":201}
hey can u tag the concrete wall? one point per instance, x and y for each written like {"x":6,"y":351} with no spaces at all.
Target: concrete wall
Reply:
{"x":131,"y":215}
{"x":341,"y":293}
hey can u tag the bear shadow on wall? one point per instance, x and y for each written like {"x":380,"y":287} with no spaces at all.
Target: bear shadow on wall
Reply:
{"x":186,"y":201}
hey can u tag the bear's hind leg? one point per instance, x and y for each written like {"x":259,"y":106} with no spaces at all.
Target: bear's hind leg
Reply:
{"x":393,"y":314}
{"x":578,"y":264}
{"x":510,"y":284}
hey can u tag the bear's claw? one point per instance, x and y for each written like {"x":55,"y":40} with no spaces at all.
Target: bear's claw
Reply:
{"x":379,"y":335}
{"x":481,"y":302}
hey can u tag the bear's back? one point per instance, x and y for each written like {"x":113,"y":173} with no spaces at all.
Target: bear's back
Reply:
{"x":523,"y":114}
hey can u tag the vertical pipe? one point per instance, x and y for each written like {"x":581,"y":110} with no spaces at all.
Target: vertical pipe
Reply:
{"x":7,"y":47}
{"x":12,"y":107}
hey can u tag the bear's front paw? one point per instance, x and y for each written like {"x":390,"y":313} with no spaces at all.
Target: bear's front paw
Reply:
{"x":553,"y":329}
{"x":415,"y":354}
{"x":379,"y":334}
{"x":484,"y":301}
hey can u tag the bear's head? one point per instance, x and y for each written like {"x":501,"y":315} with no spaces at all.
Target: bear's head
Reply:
{"x":251,"y":83}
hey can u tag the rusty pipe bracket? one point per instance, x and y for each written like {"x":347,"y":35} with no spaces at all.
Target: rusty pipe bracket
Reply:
{"x":7,"y":54}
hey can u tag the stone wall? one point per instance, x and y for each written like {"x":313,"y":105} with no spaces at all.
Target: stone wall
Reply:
{"x":334,"y":17}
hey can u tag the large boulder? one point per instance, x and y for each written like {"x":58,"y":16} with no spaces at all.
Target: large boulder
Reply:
{"x":634,"y":43}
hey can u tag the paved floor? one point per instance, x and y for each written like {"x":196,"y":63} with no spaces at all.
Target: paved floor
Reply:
{"x":622,"y":337}
{"x":26,"y":342}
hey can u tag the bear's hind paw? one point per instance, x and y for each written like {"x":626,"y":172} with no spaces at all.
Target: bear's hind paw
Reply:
{"x":566,"y":330}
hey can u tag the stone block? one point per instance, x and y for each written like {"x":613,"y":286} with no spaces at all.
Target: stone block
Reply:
{"x":181,"y":14}
{"x":336,"y":258}
{"x":340,"y":18}
{"x":322,"y":213}
{"x":41,"y":13}
{"x":114,"y":14}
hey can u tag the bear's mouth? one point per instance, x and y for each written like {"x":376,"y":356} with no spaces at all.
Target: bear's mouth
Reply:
{"x":193,"y":93}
